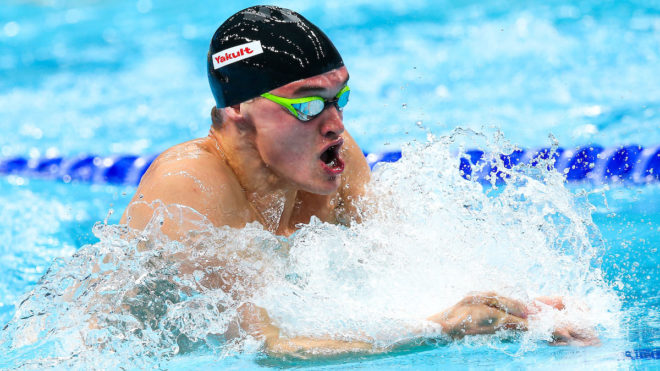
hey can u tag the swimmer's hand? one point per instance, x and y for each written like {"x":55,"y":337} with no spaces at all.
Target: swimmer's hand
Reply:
{"x":482,"y":313}
{"x":567,"y":333}
{"x":486,"y":313}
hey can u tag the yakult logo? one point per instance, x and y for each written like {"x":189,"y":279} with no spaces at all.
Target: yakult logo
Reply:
{"x":235,"y":54}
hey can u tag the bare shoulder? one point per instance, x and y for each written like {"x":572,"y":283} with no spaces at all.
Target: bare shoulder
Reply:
{"x":191,"y":175}
{"x":354,"y":181}
{"x":357,"y":173}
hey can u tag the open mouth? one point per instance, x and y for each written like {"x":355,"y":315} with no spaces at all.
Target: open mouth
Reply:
{"x":331,"y":161}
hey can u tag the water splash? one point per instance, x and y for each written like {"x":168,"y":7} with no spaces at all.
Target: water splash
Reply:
{"x":427,"y":238}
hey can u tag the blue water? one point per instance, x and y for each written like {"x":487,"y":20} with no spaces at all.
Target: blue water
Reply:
{"x":111,"y":77}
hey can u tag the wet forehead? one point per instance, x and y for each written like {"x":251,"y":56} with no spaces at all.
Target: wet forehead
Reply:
{"x":328,"y":83}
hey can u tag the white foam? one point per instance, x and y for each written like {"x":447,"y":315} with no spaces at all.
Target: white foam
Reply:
{"x":428,"y":238}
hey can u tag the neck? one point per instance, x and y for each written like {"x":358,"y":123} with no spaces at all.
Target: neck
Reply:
{"x":271,"y":198}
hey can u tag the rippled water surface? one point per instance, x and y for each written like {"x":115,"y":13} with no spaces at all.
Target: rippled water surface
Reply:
{"x":129,"y":77}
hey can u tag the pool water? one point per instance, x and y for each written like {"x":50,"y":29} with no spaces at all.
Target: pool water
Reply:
{"x":129,"y":77}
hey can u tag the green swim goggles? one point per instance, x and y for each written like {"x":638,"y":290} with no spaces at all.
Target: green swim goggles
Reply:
{"x":305,"y":109}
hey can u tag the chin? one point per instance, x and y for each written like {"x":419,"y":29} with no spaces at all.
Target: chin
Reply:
{"x":325,"y":188}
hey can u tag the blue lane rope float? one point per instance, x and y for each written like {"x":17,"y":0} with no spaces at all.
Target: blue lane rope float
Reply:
{"x":623,"y":164}
{"x":631,"y":164}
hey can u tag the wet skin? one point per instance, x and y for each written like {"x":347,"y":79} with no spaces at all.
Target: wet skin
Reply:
{"x":263,"y":164}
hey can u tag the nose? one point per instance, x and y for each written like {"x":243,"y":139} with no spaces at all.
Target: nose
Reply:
{"x":333,"y":123}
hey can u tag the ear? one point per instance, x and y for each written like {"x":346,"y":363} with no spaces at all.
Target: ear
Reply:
{"x":234,"y":113}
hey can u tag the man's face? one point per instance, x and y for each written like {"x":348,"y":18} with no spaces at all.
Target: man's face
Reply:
{"x":305,"y":154}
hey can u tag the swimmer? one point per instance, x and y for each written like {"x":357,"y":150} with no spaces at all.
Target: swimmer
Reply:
{"x":278,"y":153}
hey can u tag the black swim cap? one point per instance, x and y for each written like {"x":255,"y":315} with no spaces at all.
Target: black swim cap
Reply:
{"x":262,"y":48}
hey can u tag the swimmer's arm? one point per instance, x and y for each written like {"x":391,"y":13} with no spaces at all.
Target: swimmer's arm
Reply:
{"x":256,"y":322}
{"x":471,"y":316}
{"x":478,"y":314}
{"x":483,"y":313}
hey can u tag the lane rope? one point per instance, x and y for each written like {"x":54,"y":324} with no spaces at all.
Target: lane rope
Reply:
{"x":630,"y":164}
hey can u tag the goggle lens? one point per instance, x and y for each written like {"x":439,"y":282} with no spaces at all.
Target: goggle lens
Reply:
{"x":342,"y":99}
{"x":312,"y":106}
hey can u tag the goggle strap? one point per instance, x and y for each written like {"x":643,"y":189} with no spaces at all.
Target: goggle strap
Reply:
{"x":285,"y":102}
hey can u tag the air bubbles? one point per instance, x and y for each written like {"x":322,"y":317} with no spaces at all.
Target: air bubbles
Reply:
{"x":110,"y":35}
{"x":31,"y":130}
{"x":52,"y":152}
{"x":189,"y":31}
{"x":140,"y":162}
{"x":73,"y":16}
{"x":442,"y":92}
{"x":143,"y":6}
{"x":586,"y":130}
{"x":142,"y":110}
{"x":11,"y":29}
{"x":16,"y":180}
{"x":371,"y":158}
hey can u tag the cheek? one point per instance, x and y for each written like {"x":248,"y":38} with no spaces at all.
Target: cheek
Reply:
{"x":284,"y":147}
{"x":282,"y":141}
